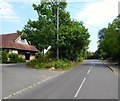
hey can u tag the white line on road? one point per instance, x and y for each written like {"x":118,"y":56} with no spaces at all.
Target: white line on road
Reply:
{"x":88,"y":71}
{"x":29,"y":87}
{"x":76,"y":94}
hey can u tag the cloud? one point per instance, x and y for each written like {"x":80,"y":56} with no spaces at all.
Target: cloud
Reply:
{"x":99,"y":13}
{"x":7,"y":12}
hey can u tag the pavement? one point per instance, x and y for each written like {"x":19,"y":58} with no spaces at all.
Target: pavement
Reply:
{"x":18,"y":77}
{"x":90,"y":80}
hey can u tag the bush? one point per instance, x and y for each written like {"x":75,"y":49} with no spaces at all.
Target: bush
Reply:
{"x":13,"y":57}
{"x":59,"y":65}
{"x":20,"y":59}
{"x":80,"y":59}
{"x":10,"y":58}
{"x":35,"y":64}
{"x":0,"y":56}
{"x":39,"y":56}
{"x":4,"y":56}
{"x":49,"y":65}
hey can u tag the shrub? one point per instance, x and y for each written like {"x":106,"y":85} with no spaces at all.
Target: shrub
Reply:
{"x":13,"y":57}
{"x":35,"y":64}
{"x":39,"y":56}
{"x":61,"y":64}
{"x":58,"y":65}
{"x":4,"y":56}
{"x":80,"y":59}
{"x":0,"y":56}
{"x":20,"y":59}
{"x":49,"y":65}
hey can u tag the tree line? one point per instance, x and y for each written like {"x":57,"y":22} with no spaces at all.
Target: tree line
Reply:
{"x":109,"y":41}
{"x":73,"y":36}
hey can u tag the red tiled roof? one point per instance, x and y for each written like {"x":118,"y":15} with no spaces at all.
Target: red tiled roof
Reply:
{"x":9,"y":37}
{"x":8,"y":41}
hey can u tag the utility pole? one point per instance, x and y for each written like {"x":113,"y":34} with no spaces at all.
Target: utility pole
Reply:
{"x":58,"y":29}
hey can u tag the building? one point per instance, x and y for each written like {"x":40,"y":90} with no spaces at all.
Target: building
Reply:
{"x":13,"y":43}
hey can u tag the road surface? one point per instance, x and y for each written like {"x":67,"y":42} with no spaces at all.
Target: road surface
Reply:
{"x":16,"y":77}
{"x":90,"y":80}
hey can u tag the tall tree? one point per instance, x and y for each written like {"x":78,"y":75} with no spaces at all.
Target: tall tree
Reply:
{"x":73,"y":36}
{"x":110,"y":44}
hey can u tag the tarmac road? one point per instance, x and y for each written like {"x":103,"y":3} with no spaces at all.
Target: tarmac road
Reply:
{"x":16,"y":77}
{"x":90,"y":80}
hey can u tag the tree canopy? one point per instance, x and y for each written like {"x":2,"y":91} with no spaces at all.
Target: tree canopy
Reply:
{"x":73,"y":36}
{"x":109,"y":40}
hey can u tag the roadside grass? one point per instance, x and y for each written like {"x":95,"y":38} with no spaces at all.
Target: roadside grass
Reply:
{"x":58,"y":65}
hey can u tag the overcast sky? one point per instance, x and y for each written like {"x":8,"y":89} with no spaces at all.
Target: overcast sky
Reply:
{"x":95,"y":14}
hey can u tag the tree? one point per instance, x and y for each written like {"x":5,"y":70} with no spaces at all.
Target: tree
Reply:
{"x":75,"y":42}
{"x":109,"y":44}
{"x":73,"y":36}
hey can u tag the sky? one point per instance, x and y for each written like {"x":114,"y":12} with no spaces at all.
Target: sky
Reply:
{"x":95,"y":14}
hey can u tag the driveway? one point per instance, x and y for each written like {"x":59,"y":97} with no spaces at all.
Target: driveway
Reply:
{"x":16,"y":77}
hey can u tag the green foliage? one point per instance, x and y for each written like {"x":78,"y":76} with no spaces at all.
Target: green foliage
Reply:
{"x":35,"y":64}
{"x":39,"y":56}
{"x":4,"y":56}
{"x":109,"y":43}
{"x":74,"y":41}
{"x":48,"y":65}
{"x":13,"y":57}
{"x":89,"y":55}
{"x":0,"y":56}
{"x":73,"y":36}
{"x":61,"y":64}
{"x":20,"y":59}
{"x":58,"y":65}
{"x":93,"y":55}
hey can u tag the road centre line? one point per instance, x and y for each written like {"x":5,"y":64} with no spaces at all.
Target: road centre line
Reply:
{"x":76,"y":94}
{"x":88,"y":71}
